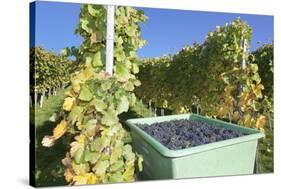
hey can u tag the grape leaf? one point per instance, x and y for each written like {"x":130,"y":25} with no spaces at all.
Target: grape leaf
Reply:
{"x":60,"y":129}
{"x":122,"y":72}
{"x":85,"y":94}
{"x":123,"y":105}
{"x":68,"y":103}
{"x":116,"y":177}
{"x":101,"y":167}
{"x":96,"y":144}
{"x":117,"y":166}
{"x":100,"y":105}
{"x":76,"y":114}
{"x":79,"y":155}
{"x":110,"y":117}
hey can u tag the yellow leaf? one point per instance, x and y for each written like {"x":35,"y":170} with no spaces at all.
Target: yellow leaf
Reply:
{"x":92,"y":179}
{"x":257,"y":89}
{"x":70,"y":93}
{"x":68,"y":175}
{"x":253,"y":122}
{"x":48,"y":141}
{"x":261,"y":122}
{"x":67,"y":160}
{"x":128,"y":175}
{"x":68,"y":103}
{"x":80,"y":180}
{"x":93,"y":38}
{"x":236,"y":116}
{"x":60,"y":129}
{"x":75,"y":86}
{"x":247,"y":120}
{"x":244,"y":98}
{"x":87,"y":178}
{"x":80,"y":139}
{"x":223,"y":111}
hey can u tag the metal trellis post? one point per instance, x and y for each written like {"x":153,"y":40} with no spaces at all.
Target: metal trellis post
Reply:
{"x":110,"y":39}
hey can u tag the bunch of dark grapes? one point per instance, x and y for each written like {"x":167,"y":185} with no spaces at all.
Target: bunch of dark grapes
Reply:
{"x":183,"y":133}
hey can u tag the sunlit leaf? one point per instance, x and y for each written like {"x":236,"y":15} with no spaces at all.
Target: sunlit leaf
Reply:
{"x":110,"y":117}
{"x":85,"y":94}
{"x":101,"y":167}
{"x":123,"y":105}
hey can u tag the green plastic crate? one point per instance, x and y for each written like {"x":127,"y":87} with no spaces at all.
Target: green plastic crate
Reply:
{"x":229,"y":157}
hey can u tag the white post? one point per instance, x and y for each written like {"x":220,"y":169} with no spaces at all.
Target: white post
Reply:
{"x":243,"y":64}
{"x":110,"y":39}
{"x":42,"y":99}
{"x":150,"y":107}
{"x":35,"y":98}
{"x":162,"y":112}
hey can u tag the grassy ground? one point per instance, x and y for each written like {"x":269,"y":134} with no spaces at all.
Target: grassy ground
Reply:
{"x":49,"y":169}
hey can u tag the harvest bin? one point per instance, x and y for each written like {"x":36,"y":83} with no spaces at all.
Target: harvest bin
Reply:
{"x":229,"y":157}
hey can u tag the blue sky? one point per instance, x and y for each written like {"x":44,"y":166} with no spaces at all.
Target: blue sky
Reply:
{"x":166,"y":30}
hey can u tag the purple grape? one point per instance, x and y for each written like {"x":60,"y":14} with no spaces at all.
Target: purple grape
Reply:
{"x":183,"y":133}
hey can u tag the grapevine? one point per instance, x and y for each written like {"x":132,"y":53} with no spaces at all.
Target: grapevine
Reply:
{"x":100,"y":151}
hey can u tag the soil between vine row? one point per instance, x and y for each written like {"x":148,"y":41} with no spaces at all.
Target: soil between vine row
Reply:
{"x":183,"y":133}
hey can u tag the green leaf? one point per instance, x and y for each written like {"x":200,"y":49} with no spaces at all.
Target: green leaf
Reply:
{"x":256,"y":78}
{"x":101,"y":167}
{"x":140,"y":161}
{"x":122,"y":72}
{"x":65,"y":52}
{"x":76,"y":114}
{"x":79,"y":155}
{"x":133,"y":99}
{"x":128,"y":152}
{"x":91,"y":127}
{"x":93,"y":11}
{"x":110,"y":117}
{"x":88,"y":61}
{"x":116,"y":151}
{"x":116,"y":177}
{"x":105,"y":157}
{"x":106,"y":85}
{"x":96,"y":144}
{"x":135,"y":68}
{"x":117,"y":166}
{"x":130,"y":31}
{"x":137,"y":83}
{"x":129,"y":86}
{"x":100,"y":105}
{"x":120,"y":55}
{"x":95,"y":157}
{"x":85,"y":94}
{"x":84,"y":25}
{"x":91,"y":156}
{"x":119,"y":41}
{"x":80,"y":168}
{"x":254,"y":67}
{"x":123,"y":105}
{"x":97,"y":59}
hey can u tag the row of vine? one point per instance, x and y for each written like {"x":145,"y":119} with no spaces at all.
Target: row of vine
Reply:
{"x":48,"y":71}
{"x":211,"y":77}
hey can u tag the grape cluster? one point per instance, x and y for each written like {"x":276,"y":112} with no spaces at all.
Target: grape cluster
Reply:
{"x":181,"y":134}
